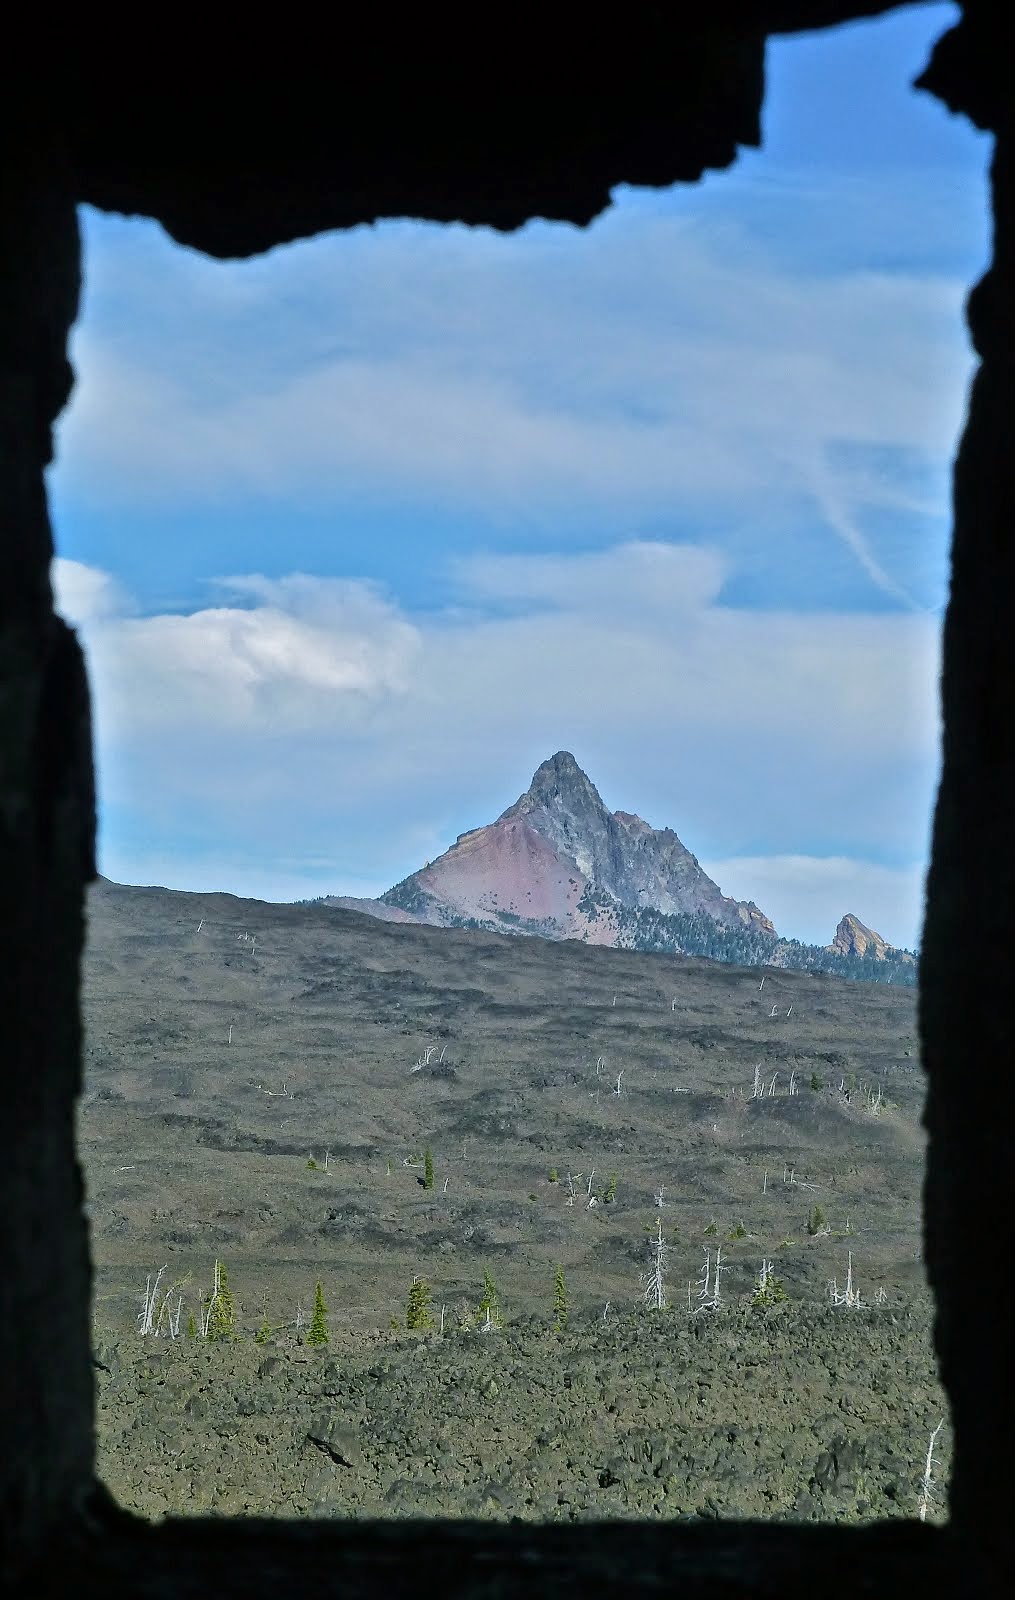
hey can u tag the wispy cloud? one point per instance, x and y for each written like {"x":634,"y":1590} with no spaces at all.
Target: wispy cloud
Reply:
{"x":322,"y":711}
{"x":649,"y":367}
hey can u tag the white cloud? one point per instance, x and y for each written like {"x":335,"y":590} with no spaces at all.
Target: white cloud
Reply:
{"x":319,"y":711}
{"x":653,"y":364}
{"x":628,"y":579}
{"x":304,"y":654}
{"x":84,"y":595}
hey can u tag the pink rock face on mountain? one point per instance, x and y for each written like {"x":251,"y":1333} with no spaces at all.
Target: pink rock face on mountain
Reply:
{"x":506,"y":867}
{"x":558,"y":863}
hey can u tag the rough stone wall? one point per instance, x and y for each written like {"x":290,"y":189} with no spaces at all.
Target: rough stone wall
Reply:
{"x":234,"y":152}
{"x":967,"y":1026}
{"x":46,"y":850}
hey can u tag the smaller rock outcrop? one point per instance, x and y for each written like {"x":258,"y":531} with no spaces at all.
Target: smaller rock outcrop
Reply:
{"x":854,"y":938}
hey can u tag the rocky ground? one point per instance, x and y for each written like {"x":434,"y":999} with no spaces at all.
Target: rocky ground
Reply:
{"x":741,"y":1413}
{"x":261,"y":1085}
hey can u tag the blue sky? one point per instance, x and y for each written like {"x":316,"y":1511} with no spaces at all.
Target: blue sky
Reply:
{"x":360,"y":531}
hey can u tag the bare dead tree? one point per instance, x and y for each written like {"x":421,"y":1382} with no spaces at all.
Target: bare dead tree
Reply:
{"x":654,"y":1293}
{"x":926,"y":1480}
{"x":708,"y":1283}
{"x":149,"y":1306}
{"x":206,"y":1313}
{"x":850,"y":1295}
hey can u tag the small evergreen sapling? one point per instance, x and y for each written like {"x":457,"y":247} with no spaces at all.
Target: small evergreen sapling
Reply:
{"x":816,"y":1222}
{"x":417,"y":1307}
{"x":192,"y":1326}
{"x":559,"y":1301}
{"x":768,"y":1289}
{"x":317,"y":1333}
{"x":219,"y":1320}
{"x":264,"y":1332}
{"x":488,"y":1311}
{"x":427,"y":1169}
{"x":610,"y":1192}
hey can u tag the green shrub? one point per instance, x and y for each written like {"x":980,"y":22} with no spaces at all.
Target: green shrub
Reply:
{"x":610,"y":1192}
{"x":816,"y":1222}
{"x":816,"y":1082}
{"x":737,"y":1232}
{"x":263,"y":1333}
{"x":768,"y":1289}
{"x":317,"y":1333}
{"x":312,"y":1164}
{"x":559,"y":1301}
{"x":417,"y":1306}
{"x":490,"y":1303}
{"x":712,"y":1229}
{"x":554,"y":1175}
{"x":427,"y":1169}
{"x":220,"y":1308}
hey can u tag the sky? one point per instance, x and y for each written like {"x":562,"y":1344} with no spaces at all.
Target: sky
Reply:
{"x":358,"y":532}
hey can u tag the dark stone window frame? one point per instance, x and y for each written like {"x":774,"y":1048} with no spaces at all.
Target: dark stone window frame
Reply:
{"x":237,"y":144}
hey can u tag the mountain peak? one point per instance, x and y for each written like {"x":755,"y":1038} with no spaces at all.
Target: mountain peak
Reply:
{"x":559,"y":783}
{"x":559,"y":860}
{"x":854,"y":938}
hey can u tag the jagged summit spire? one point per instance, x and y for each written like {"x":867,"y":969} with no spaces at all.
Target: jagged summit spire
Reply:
{"x":558,"y":781}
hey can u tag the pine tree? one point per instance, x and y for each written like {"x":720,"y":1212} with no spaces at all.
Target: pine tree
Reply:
{"x":559,"y":1301}
{"x":264,"y":1332}
{"x":768,"y":1289}
{"x":427,"y":1169}
{"x":317,"y":1333}
{"x":417,"y":1307}
{"x":488,"y":1310}
{"x":610,"y":1192}
{"x":221,"y":1308}
{"x":192,"y":1326}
